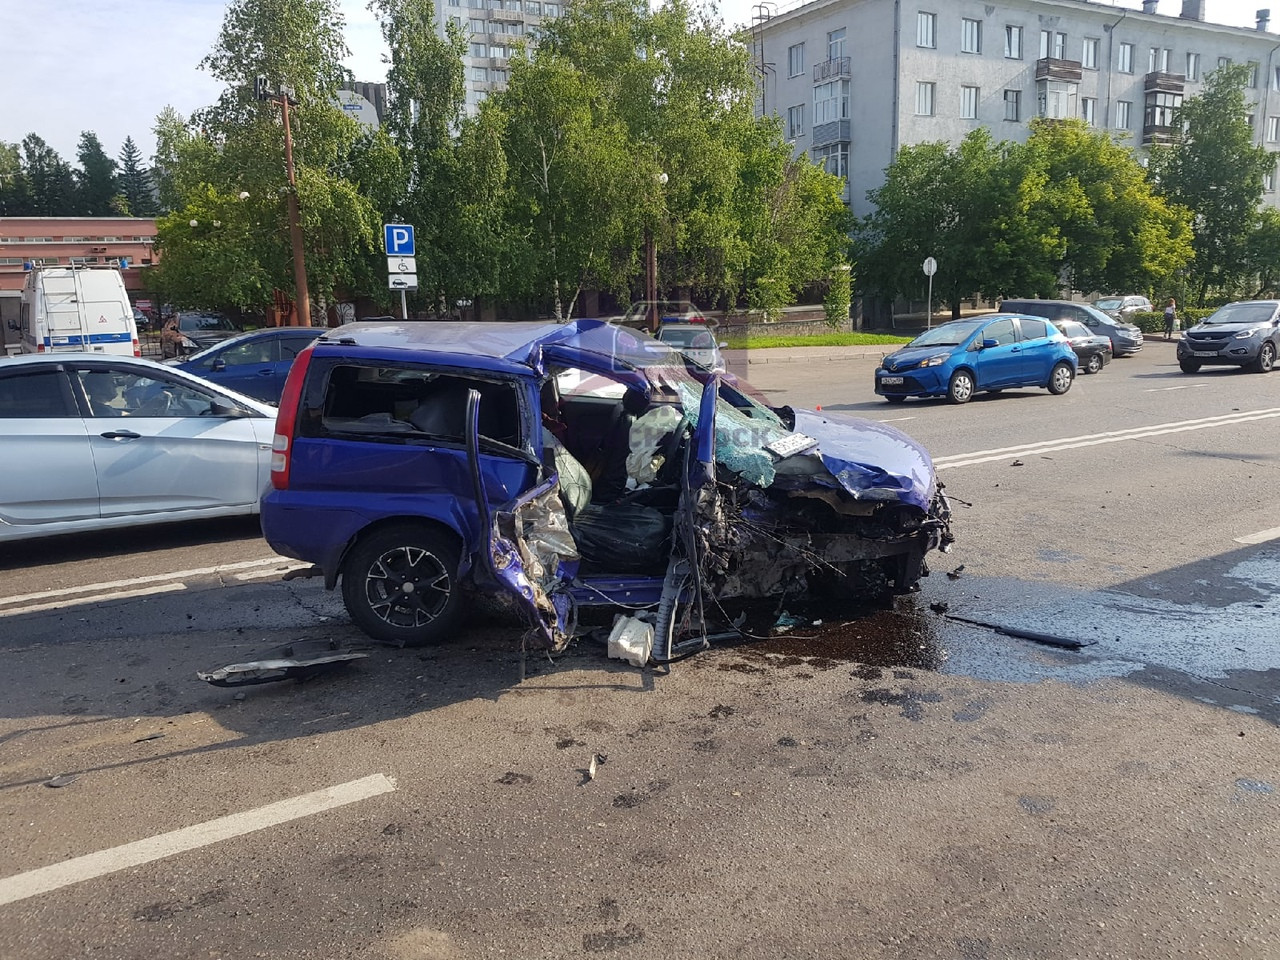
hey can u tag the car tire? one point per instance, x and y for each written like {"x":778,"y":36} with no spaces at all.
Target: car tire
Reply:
{"x":893,"y":399}
{"x":1094,"y":364}
{"x":1189,"y":366}
{"x":386,"y":576}
{"x":961,"y":387}
{"x":1060,"y":378}
{"x":1266,"y":358}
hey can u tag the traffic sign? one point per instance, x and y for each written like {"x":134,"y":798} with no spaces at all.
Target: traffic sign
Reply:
{"x":398,"y":238}
{"x":930,"y":266}
{"x":403,"y":281}
{"x":401,"y":265}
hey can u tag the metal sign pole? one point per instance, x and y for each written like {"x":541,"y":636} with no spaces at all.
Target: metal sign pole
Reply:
{"x":930,"y":267}
{"x":404,"y":311}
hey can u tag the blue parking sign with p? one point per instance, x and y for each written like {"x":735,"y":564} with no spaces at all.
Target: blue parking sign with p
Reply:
{"x":399,"y":239}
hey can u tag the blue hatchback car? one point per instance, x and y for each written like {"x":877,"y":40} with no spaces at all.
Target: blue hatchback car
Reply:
{"x":578,"y":465}
{"x":254,"y":364}
{"x":990,"y":353}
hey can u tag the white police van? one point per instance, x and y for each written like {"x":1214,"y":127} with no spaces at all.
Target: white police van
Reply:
{"x":77,"y":308}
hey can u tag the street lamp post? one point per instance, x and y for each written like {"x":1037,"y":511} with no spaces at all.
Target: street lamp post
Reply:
{"x":651,"y":267}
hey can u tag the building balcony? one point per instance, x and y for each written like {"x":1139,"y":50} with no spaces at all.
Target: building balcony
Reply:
{"x":829,"y":69}
{"x":1159,"y":82}
{"x":1050,"y":68}
{"x":1158,"y":133}
{"x":825,"y":134}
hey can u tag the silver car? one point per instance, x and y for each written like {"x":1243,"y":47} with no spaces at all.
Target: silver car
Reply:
{"x":1123,"y":308}
{"x":697,"y":341}
{"x":94,"y":442}
{"x":1244,"y":334}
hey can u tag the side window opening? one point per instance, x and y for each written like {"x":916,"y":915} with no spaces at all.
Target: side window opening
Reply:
{"x":38,"y":395}
{"x":1032,"y":329}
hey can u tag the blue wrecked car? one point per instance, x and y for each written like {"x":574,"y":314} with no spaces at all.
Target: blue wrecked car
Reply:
{"x":573,"y":466}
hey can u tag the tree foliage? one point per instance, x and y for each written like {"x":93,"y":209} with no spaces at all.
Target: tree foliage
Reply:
{"x":97,"y":194}
{"x":1215,"y":170}
{"x":134,"y":182}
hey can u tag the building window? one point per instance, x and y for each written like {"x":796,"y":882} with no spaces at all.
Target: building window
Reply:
{"x":1160,"y":108}
{"x":1089,"y":53}
{"x":534,"y":7}
{"x":1057,"y":99}
{"x":479,"y":49}
{"x":834,"y":158}
{"x":1089,"y":110}
{"x":1249,"y":120}
{"x":1253,"y":74}
{"x":480,"y":74}
{"x":1013,"y":42}
{"x":1122,"y":114}
{"x":1125,"y":62}
{"x":1158,"y":60}
{"x":501,"y":75}
{"x":835,"y":44}
{"x":497,"y":50}
{"x":476,"y":26}
{"x":1193,"y":67}
{"x":1269,"y":180}
{"x":830,"y":101}
{"x":1275,"y":79}
{"x":969,"y":97}
{"x":1224,"y":62}
{"x":926,"y":30}
{"x":1059,"y":46}
{"x":795,"y":121}
{"x":1273,"y":129}
{"x":1046,"y":43}
{"x":970,"y":36}
{"x":924,"y":98}
{"x":1013,"y":104}
{"x":551,"y":9}
{"x":795,"y":60}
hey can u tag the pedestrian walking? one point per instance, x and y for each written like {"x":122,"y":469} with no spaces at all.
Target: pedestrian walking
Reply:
{"x":1170,"y":319}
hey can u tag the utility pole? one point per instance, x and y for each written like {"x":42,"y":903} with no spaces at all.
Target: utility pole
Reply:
{"x":302,"y":298}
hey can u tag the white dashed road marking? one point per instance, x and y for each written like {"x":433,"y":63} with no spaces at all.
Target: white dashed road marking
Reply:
{"x":35,"y":882}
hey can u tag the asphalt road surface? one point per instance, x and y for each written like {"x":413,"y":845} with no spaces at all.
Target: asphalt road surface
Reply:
{"x":932,"y":781}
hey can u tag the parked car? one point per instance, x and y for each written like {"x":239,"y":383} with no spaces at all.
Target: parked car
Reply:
{"x":95,"y":442}
{"x":190,"y":331}
{"x":1244,"y":334}
{"x":696,"y":340}
{"x":416,"y":461}
{"x":1123,"y":307}
{"x":992,"y":353}
{"x":254,"y":364}
{"x":1093,"y":350}
{"x":1126,"y":339}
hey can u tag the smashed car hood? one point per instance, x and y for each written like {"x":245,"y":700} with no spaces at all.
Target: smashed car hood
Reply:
{"x":870,"y":460}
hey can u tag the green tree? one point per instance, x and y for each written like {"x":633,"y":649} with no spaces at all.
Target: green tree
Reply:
{"x":1214,"y":169}
{"x":1118,"y":233}
{"x":12,"y":183}
{"x":134,"y":182}
{"x":49,"y":183}
{"x":976,"y":208}
{"x":236,"y":146}
{"x":96,"y":191}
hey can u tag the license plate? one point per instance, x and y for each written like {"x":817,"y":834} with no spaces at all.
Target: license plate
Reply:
{"x":1204,"y":353}
{"x":891,"y":381}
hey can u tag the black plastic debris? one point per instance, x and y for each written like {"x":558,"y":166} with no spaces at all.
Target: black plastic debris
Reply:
{"x":296,"y":660}
{"x":61,"y":780}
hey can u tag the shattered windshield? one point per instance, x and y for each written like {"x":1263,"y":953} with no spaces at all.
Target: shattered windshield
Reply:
{"x":949,"y":334}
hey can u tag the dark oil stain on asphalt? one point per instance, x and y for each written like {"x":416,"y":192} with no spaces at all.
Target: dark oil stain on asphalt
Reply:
{"x":1210,"y":632}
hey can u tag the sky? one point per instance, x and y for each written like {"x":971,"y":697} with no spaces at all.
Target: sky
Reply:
{"x":111,"y":66}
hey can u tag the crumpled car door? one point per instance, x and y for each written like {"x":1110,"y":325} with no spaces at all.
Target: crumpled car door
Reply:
{"x":527,"y":548}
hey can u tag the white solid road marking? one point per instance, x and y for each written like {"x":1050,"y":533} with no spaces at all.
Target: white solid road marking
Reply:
{"x":897,"y":419}
{"x":1261,"y":537}
{"x":91,"y":598}
{"x":1184,"y":386}
{"x":263,"y":574}
{"x":137,"y":581}
{"x":1094,"y":439}
{"x":35,"y":882}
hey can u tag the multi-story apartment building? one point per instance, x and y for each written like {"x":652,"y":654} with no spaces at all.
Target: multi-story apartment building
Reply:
{"x":494,"y":27}
{"x":855,"y":80}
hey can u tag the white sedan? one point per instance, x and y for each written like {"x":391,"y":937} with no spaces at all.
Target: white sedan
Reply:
{"x":91,"y":442}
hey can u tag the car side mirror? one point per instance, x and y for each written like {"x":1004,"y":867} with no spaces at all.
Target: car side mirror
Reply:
{"x":15,"y":325}
{"x":220,"y":409}
{"x":219,"y":364}
{"x":990,"y":342}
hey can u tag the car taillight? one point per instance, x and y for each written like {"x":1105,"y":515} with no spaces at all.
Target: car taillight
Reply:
{"x":286,"y":421}
{"x":137,"y":351}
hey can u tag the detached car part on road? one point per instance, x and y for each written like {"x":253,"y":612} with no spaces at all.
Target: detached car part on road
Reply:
{"x":990,"y":353}
{"x":578,"y":465}
{"x":1244,"y":334}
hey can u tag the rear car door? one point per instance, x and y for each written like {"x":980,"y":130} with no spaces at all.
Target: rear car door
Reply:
{"x":162,"y":444}
{"x":250,"y":367}
{"x":1038,"y":351}
{"x":48,"y":471}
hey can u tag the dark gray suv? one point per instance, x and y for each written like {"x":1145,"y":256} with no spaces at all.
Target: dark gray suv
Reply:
{"x":1244,"y":334}
{"x":1126,"y":339}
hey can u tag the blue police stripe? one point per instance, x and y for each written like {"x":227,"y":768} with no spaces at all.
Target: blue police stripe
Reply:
{"x":93,"y":338}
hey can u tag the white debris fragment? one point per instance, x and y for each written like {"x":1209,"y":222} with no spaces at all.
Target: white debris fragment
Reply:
{"x":631,"y":640}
